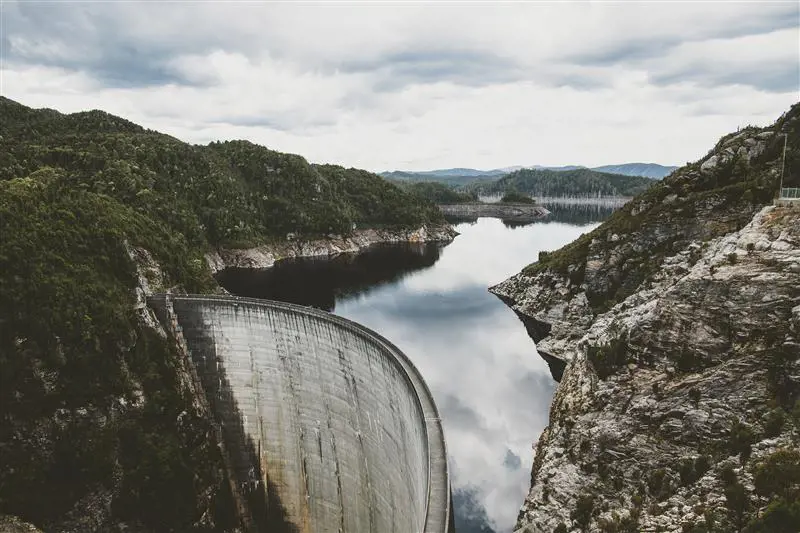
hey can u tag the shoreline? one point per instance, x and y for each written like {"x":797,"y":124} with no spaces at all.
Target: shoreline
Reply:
{"x":266,"y":255}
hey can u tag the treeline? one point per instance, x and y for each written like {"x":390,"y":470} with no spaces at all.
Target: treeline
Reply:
{"x":579,"y":182}
{"x":437,"y":193}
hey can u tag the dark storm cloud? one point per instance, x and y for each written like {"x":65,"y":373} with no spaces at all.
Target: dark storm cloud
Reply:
{"x":767,"y":76}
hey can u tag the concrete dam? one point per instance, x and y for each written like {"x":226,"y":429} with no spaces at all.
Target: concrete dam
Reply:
{"x":325,"y":425}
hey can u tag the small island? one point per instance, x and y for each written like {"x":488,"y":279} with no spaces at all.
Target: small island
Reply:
{"x":513,"y":206}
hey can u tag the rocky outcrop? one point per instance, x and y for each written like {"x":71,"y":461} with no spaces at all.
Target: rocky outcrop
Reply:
{"x":266,"y":255}
{"x":678,"y":321}
{"x":12,"y":524}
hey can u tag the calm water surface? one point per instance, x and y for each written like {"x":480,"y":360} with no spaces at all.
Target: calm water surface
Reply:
{"x":492,"y":389}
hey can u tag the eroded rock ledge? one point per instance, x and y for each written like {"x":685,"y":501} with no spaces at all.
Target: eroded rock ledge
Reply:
{"x":265,"y":256}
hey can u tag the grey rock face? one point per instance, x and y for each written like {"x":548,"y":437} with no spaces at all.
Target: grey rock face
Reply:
{"x":681,"y":339}
{"x":715,"y":329}
{"x":12,"y":524}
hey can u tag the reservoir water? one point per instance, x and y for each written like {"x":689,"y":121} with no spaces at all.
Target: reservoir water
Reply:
{"x":492,"y":389}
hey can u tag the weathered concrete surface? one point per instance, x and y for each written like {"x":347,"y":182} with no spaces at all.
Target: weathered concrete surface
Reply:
{"x":496,"y":210}
{"x":328,"y":426}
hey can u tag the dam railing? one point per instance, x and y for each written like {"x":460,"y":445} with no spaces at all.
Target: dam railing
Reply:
{"x":791,"y":193}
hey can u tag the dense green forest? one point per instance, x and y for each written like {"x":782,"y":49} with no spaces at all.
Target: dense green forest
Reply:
{"x":515,"y":197}
{"x":92,"y":413}
{"x":437,"y":193}
{"x":580,"y":182}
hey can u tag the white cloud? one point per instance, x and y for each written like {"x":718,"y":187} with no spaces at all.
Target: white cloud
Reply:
{"x":417,"y":86}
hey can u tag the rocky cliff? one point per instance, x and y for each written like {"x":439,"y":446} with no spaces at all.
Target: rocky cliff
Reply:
{"x":677,"y":325}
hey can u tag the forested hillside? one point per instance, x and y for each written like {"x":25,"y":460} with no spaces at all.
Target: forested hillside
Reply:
{"x":580,"y":182}
{"x":96,"y":427}
{"x":437,"y":193}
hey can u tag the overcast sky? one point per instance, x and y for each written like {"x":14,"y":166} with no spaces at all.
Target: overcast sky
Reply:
{"x":410,"y":85}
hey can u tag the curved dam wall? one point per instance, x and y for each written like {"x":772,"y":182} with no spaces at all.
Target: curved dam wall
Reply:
{"x":327,"y":427}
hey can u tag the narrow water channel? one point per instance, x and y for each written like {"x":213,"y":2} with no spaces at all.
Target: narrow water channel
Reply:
{"x":492,"y":389}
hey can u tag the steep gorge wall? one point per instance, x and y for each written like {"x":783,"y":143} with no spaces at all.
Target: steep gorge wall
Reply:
{"x":328,"y":427}
{"x":677,"y":324}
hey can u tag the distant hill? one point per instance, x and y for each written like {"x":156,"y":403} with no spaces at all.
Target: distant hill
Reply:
{"x":449,"y":176}
{"x":648,"y":170}
{"x":448,"y":173}
{"x":463,"y":176}
{"x":578,"y":182}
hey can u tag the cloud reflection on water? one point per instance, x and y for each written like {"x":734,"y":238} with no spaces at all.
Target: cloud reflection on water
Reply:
{"x":492,"y":389}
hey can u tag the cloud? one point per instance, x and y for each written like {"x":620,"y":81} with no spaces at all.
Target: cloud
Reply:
{"x":512,"y":461}
{"x":470,"y":514}
{"x":385,"y":86}
{"x":459,"y":414}
{"x":739,"y":61}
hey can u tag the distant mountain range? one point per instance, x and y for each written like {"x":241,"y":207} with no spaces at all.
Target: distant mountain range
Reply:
{"x":648,"y":170}
{"x":461,"y":176}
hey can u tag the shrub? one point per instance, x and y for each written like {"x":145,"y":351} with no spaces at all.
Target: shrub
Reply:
{"x":733,"y":258}
{"x":778,"y":474}
{"x":584,"y":509}
{"x":701,"y":465}
{"x":616,"y":524}
{"x":773,"y":425}
{"x":780,"y":516}
{"x":658,"y":484}
{"x":740,"y":440}
{"x":607,"y":359}
{"x":687,"y":361}
{"x":781,"y":384}
{"x":737,"y":502}
{"x":728,"y":475}
{"x":694,"y":396}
